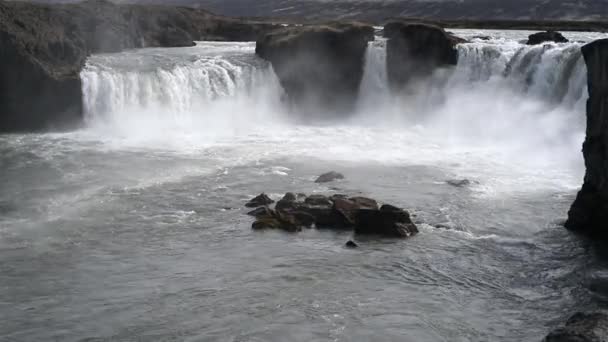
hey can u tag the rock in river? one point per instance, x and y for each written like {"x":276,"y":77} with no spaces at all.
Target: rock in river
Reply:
{"x":329,"y":177}
{"x":259,"y":201}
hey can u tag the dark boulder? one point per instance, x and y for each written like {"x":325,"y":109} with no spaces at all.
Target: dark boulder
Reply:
{"x":351,"y":244}
{"x":589,"y":212}
{"x":364,"y":202}
{"x":348,"y":208}
{"x":303,"y":218}
{"x":547,"y":36}
{"x":319,"y":66}
{"x":389,"y":221}
{"x":459,"y":183}
{"x":290,"y":197}
{"x":272,"y":219}
{"x":259,"y":201}
{"x":287,"y":203}
{"x":260,"y":212}
{"x":416,"y":50}
{"x":43,"y":48}
{"x":582,"y":327}
{"x":329,"y":177}
{"x":318,"y":200}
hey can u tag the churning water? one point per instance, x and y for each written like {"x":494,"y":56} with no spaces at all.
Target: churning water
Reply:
{"x":132,"y":228}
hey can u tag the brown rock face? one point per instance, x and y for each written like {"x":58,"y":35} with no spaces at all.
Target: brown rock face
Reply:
{"x":319,"y":66}
{"x":415,"y":50}
{"x":44,"y":47}
{"x":589,"y":213}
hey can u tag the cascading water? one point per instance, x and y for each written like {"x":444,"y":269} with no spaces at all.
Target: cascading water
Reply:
{"x":194,"y":88}
{"x":133,"y":228}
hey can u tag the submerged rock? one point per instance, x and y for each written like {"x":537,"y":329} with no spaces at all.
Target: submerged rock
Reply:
{"x":459,"y":183}
{"x":351,"y":244}
{"x":589,"y":212}
{"x":415,"y":50}
{"x":547,"y":36}
{"x":319,"y":66}
{"x":329,"y":177}
{"x":259,"y":201}
{"x":582,"y":327}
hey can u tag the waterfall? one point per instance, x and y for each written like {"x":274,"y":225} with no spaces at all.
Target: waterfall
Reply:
{"x":182,"y":87}
{"x":554,"y":73}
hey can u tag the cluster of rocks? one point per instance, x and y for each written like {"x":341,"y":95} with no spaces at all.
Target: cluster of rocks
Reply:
{"x":360,"y":214}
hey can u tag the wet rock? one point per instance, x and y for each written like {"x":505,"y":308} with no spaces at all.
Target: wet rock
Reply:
{"x":482,"y":37}
{"x":261,"y":211}
{"x":318,"y":200}
{"x":326,"y":217}
{"x":459,"y":183}
{"x":266,"y":222}
{"x":335,"y":197}
{"x":351,"y":244}
{"x":389,"y":221}
{"x":589,"y":212}
{"x":259,"y":201}
{"x":547,"y":36}
{"x":364,"y":202}
{"x":399,"y":214}
{"x":332,"y":56}
{"x":347,"y":209}
{"x":415,"y":50}
{"x":277,"y":220}
{"x":582,"y":327}
{"x":303,"y":219}
{"x":289,"y":197}
{"x":329,"y":177}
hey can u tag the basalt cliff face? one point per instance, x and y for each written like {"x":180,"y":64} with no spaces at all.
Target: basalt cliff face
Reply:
{"x":415,"y":50}
{"x":589,"y":213}
{"x":319,"y":66}
{"x":44,"y":47}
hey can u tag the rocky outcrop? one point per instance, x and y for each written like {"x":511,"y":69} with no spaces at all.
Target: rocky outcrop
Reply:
{"x":589,"y":213}
{"x":416,"y":50}
{"x":258,"y":201}
{"x":582,"y":327}
{"x":547,"y":36}
{"x":359,"y":214}
{"x":319,"y":66}
{"x":44,"y":47}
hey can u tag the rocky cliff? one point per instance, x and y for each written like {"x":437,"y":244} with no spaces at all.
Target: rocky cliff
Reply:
{"x":319,"y":66}
{"x":416,"y":50}
{"x":589,"y":213}
{"x":44,"y":47}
